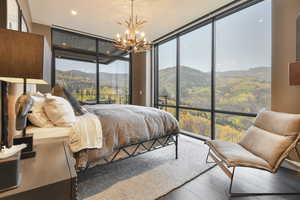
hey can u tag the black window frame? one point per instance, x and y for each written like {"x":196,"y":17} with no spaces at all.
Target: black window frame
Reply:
{"x":176,"y":34}
{"x":96,"y":53}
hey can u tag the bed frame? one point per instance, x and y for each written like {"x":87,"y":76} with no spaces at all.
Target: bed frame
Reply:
{"x":139,"y":148}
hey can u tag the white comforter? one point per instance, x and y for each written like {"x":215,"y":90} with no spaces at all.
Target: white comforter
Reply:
{"x":86,"y":134}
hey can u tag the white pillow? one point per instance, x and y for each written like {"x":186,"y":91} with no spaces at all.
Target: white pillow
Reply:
{"x":59,"y":111}
{"x":37,"y":116}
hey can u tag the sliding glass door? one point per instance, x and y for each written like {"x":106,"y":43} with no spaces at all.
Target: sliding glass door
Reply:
{"x":215,"y":76}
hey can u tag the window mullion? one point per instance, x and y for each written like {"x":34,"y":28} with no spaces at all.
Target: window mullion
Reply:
{"x":213,"y":89}
{"x":97,"y":73}
{"x":156,"y":76}
{"x":177,"y":76}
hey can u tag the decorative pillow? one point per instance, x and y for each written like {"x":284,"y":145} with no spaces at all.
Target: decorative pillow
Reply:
{"x":61,"y":91}
{"x":37,"y":116}
{"x":59,"y":111}
{"x":267,"y":145}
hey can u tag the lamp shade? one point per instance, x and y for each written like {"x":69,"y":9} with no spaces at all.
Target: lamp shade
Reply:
{"x":22,"y":57}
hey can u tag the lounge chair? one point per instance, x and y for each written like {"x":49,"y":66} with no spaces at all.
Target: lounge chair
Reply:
{"x":264,"y":146}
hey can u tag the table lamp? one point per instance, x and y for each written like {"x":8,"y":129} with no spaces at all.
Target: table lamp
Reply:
{"x":22,"y":61}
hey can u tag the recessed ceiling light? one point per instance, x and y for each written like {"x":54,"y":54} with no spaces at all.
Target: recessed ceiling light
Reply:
{"x":74,"y":12}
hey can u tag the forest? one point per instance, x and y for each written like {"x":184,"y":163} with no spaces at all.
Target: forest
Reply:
{"x":246,"y":91}
{"x":114,"y":88}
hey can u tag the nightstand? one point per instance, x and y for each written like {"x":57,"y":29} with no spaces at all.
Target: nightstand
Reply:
{"x":50,"y":175}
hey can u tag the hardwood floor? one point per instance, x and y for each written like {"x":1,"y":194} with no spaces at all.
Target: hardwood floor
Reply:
{"x":214,"y":185}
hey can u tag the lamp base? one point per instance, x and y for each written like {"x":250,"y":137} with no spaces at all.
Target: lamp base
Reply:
{"x":28,"y":152}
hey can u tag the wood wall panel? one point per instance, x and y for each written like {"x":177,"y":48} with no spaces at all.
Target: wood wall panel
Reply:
{"x":139,"y":79}
{"x":3,"y":15}
{"x":285,"y":97}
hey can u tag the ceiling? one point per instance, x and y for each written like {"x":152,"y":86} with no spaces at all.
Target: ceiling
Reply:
{"x":100,"y":17}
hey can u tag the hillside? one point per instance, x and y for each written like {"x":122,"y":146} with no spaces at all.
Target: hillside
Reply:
{"x":241,"y":91}
{"x":191,"y":77}
{"x":76,"y":79}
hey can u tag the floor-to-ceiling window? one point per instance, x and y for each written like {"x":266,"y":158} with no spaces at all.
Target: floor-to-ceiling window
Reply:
{"x":243,"y":68}
{"x":91,"y":68}
{"x":167,"y":73}
{"x":78,"y":77}
{"x":216,"y":76}
{"x":167,"y":76}
{"x":195,"y":80}
{"x":114,"y":82}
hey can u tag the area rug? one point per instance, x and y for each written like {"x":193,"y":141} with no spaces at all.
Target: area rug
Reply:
{"x":145,"y":177}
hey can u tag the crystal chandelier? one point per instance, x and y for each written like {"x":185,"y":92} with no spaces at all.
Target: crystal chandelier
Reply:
{"x":134,"y":39}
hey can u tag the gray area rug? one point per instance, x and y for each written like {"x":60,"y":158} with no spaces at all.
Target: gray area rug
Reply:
{"x":145,"y":177}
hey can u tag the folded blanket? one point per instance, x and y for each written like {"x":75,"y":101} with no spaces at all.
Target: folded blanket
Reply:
{"x":87,"y":133}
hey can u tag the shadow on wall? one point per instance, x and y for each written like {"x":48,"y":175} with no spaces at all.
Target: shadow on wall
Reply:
{"x":293,"y":154}
{"x":298,"y":38}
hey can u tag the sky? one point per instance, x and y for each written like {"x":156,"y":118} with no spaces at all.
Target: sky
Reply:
{"x":243,"y":41}
{"x":115,"y":67}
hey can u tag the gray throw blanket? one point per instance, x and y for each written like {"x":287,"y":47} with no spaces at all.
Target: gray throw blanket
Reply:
{"x":127,"y":124}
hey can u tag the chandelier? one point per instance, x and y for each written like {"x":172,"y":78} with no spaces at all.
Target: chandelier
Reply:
{"x":134,"y":39}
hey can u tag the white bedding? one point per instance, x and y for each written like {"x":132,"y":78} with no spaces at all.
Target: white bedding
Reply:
{"x":49,"y":133}
{"x":87,"y":133}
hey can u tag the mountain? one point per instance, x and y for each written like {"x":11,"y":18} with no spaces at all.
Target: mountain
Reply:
{"x":191,"y":77}
{"x":76,"y":79}
{"x":77,"y":73}
{"x":240,"y":90}
{"x":258,"y":73}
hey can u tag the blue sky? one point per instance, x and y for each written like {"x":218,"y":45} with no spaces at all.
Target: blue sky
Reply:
{"x":243,"y":41}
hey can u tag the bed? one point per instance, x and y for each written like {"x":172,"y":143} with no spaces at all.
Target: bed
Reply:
{"x":128,"y":131}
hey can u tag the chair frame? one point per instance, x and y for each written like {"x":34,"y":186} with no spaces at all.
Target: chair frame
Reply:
{"x":230,"y":175}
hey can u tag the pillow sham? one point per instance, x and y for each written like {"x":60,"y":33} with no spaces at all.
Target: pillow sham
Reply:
{"x":61,"y":91}
{"x":37,"y":115}
{"x":59,"y":111}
